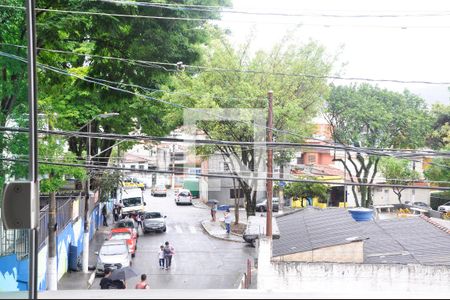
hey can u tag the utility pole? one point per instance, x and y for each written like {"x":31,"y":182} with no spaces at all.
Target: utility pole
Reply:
{"x":269,"y":168}
{"x":345,"y":179}
{"x":33,"y":144}
{"x":87,"y":221}
{"x":413,"y":196}
{"x":173,"y":166}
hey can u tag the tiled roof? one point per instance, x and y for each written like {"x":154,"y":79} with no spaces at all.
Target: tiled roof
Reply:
{"x":313,"y":228}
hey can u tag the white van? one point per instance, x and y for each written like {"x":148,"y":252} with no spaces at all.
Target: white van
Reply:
{"x":132,"y":201}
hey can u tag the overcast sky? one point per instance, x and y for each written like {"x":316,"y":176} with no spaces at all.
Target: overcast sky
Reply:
{"x":401,"y":48}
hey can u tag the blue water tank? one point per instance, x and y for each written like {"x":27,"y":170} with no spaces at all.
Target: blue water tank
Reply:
{"x":361,"y":214}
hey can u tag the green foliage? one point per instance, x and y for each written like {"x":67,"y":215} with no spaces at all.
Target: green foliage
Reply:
{"x":296,"y":99}
{"x":108,"y":183}
{"x":398,"y":172}
{"x":439,"y":170}
{"x":440,"y":136}
{"x":368,"y":116}
{"x":302,"y":190}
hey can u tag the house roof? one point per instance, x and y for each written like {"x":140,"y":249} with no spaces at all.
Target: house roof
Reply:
{"x":406,"y":241}
{"x":393,"y":241}
{"x":313,"y":228}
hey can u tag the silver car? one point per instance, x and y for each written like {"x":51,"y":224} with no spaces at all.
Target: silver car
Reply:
{"x":113,"y":255}
{"x":154,"y":221}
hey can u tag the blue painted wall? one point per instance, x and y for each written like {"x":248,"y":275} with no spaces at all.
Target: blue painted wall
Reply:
{"x":14,"y":272}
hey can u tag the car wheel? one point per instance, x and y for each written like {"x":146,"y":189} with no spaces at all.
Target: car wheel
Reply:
{"x":164,"y":230}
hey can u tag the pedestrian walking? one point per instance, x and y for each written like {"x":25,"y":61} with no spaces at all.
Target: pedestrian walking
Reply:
{"x":213,"y":212}
{"x":140,"y":220}
{"x":169,"y":251}
{"x":228,"y":221}
{"x":105,"y":215}
{"x":161,"y":257}
{"x":116,"y":212}
{"x":143,"y":285}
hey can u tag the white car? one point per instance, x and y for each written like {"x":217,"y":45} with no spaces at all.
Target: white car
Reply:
{"x":183,"y":197}
{"x":113,"y":255}
{"x":444,"y":208}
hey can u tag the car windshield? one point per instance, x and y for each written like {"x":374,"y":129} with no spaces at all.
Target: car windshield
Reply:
{"x":153,"y":215}
{"x":116,"y":236}
{"x":128,"y":202}
{"x":447,"y":204}
{"x":128,"y":224}
{"x":109,"y":250}
{"x":185,"y":194}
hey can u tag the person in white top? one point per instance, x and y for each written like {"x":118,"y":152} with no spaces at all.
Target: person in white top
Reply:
{"x":161,"y":257}
{"x":228,"y":221}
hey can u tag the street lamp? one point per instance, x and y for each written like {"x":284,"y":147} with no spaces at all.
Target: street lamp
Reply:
{"x":88,"y":190}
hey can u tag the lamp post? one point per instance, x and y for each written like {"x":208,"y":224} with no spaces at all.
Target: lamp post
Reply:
{"x":87,"y":192}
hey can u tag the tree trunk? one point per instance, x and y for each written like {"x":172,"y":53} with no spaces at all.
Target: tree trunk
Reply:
{"x":251,"y":209}
{"x":236,"y":203}
{"x":52,"y":267}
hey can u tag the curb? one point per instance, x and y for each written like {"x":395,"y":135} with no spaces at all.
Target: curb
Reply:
{"x":218,"y":237}
{"x":196,"y":205}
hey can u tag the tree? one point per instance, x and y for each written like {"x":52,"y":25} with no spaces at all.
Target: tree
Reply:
{"x":302,"y":190}
{"x":398,"y":172}
{"x":51,"y":150}
{"x":296,"y":101}
{"x":440,"y":136}
{"x":368,"y":116}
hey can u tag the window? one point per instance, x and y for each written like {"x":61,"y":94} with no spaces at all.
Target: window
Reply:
{"x":311,"y":159}
{"x":299,"y":160}
{"x":141,"y":167}
{"x":226,"y":167}
{"x":133,"y":166}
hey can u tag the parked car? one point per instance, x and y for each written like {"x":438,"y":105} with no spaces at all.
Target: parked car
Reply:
{"x":129,"y":223}
{"x":159,"y":190}
{"x":421,"y":205}
{"x":444,"y":208}
{"x":154,"y":221}
{"x":262,"y":205}
{"x":113,"y":255}
{"x":124,"y":234}
{"x":184,"y":196}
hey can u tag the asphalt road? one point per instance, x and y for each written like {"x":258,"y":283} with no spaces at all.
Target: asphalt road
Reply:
{"x":200,"y":262}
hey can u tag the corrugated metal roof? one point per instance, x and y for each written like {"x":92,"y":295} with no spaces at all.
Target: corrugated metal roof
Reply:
{"x":312,"y":228}
{"x":421,"y":241}
{"x":392,"y":241}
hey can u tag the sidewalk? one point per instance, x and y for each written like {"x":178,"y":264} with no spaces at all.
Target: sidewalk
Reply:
{"x":78,"y":280}
{"x":199,"y":204}
{"x":216,"y":230}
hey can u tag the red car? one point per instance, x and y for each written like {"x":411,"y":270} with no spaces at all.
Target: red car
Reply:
{"x":127,"y":235}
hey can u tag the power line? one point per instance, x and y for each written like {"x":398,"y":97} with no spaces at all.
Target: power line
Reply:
{"x":225,"y":21}
{"x":223,"y":9}
{"x":97,"y":167}
{"x":98,"y":82}
{"x":111,"y":136}
{"x":160,"y":65}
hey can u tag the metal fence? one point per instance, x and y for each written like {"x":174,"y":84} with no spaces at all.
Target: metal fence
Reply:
{"x":17,"y":241}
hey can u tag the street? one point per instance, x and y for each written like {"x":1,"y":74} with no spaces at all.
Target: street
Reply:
{"x":200,"y":262}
